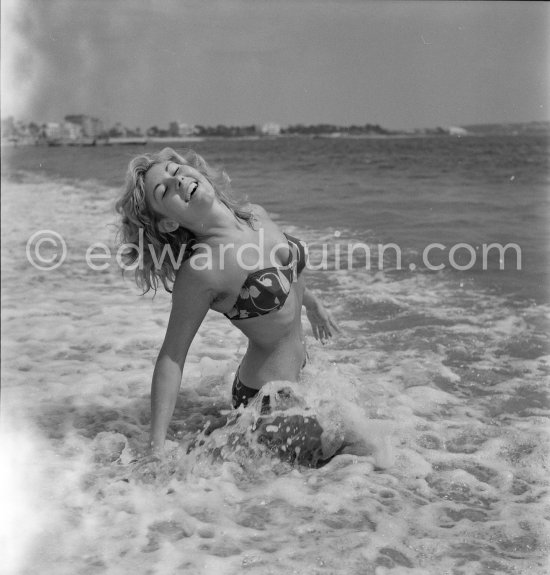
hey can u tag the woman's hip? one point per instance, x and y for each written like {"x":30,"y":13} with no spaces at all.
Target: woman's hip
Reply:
{"x":258,"y":367}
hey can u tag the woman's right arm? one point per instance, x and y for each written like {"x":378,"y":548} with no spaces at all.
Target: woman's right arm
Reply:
{"x":191,"y":300}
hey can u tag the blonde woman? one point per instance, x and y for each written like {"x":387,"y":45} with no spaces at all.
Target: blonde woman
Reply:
{"x":228,"y":256}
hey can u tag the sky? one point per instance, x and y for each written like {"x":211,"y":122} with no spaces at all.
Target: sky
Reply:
{"x":403,"y":65}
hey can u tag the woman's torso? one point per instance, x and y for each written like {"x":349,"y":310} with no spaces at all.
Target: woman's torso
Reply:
{"x":276,"y":350}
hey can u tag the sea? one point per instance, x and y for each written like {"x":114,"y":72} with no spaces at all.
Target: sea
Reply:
{"x":431,"y":253}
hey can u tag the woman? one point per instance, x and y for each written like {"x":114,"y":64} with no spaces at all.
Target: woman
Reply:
{"x":227,"y":256}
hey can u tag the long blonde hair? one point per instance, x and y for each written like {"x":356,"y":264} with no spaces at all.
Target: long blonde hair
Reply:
{"x":138,"y":218}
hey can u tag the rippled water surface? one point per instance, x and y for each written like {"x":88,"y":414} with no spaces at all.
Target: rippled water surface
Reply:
{"x":441,"y":378}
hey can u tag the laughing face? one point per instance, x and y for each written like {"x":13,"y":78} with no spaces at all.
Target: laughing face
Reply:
{"x":177,"y":192}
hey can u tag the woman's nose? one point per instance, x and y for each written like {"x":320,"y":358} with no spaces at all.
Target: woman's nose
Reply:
{"x":181,"y":178}
{"x":178,"y":180}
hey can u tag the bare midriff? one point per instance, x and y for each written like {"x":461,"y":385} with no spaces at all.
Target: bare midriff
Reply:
{"x":276,"y":349}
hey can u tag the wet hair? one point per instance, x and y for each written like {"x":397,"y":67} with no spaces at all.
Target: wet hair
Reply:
{"x":138,"y":218}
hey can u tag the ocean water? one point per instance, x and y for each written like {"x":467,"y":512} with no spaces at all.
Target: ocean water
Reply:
{"x":441,"y":375}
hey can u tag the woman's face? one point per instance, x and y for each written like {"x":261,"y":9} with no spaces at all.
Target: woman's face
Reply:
{"x":177,"y":192}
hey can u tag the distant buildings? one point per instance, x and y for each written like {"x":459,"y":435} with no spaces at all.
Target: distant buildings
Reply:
{"x":271,"y":129}
{"x":90,"y":127}
{"x":81,"y":129}
{"x":74,"y":128}
{"x":12,"y":129}
{"x":181,"y":129}
{"x":457,"y":131}
{"x":58,"y":131}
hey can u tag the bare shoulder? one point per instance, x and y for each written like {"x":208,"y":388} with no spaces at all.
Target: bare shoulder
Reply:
{"x":197,"y":279}
{"x":259,"y":212}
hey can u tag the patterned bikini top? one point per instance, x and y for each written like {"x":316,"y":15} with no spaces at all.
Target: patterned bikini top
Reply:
{"x":266,"y":290}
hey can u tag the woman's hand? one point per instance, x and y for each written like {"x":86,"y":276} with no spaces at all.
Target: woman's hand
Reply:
{"x":155,"y":464}
{"x":321,"y":320}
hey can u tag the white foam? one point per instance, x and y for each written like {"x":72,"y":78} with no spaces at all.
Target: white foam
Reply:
{"x":446,"y":427}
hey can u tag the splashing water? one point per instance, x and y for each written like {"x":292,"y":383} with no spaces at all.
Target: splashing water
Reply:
{"x":432,"y":403}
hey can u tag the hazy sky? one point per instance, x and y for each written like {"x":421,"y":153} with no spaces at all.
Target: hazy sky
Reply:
{"x":399,"y":64}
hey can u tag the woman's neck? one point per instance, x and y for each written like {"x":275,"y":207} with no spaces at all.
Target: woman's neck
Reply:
{"x":221,"y":225}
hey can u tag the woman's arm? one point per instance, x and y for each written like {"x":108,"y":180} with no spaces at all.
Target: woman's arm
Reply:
{"x":321,"y":320}
{"x":191,"y":300}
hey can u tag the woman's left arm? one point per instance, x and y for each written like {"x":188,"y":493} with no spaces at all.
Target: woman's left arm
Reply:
{"x":321,"y":320}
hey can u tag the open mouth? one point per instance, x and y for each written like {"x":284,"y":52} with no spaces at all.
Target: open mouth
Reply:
{"x":191,"y":190}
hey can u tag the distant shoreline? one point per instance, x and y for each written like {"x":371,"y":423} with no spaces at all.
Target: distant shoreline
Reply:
{"x":142,"y":141}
